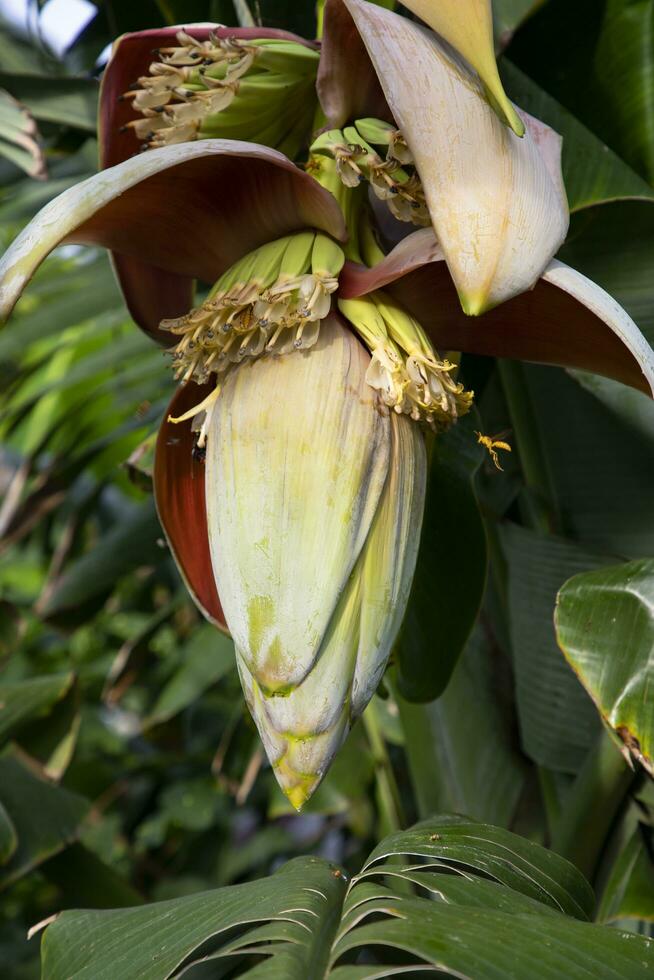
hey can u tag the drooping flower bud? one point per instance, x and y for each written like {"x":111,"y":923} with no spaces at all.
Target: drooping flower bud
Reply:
{"x":511,"y":196}
{"x":314,"y":505}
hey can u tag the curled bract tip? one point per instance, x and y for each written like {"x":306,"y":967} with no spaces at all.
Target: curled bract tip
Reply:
{"x":566,"y":319}
{"x":468,"y":26}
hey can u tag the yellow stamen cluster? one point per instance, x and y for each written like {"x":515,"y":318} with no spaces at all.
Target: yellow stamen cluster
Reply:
{"x":247,"y":321}
{"x":272,"y":301}
{"x":190,"y":81}
{"x":393,"y":179}
{"x":405,"y":369}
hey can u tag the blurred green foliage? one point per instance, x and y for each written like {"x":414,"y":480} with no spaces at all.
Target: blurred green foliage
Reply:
{"x":130,"y":770}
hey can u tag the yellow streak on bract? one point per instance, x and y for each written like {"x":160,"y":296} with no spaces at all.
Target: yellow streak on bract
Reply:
{"x":260,"y":619}
{"x":468,"y":26}
{"x":297,"y":787}
{"x":266,"y":645}
{"x":474,"y":304}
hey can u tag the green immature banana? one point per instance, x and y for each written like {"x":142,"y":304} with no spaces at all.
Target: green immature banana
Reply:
{"x":380,"y":133}
{"x":405,"y":369}
{"x":285,"y":57}
{"x":297,"y":254}
{"x":357,"y":161}
{"x":271,"y":301}
{"x":262,"y":90}
{"x":327,"y":256}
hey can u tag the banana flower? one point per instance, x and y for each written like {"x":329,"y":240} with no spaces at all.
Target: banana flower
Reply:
{"x":290,"y":468}
{"x":341,"y":518}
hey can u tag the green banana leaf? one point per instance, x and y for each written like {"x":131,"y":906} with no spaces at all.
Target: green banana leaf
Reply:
{"x":449,"y":895}
{"x":624,"y":65}
{"x":605,"y":627}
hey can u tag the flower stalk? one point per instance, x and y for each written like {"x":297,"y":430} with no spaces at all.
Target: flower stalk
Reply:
{"x":270,"y":302}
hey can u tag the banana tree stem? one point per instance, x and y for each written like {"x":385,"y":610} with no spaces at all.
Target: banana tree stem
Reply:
{"x":166,"y":12}
{"x":550,"y":797}
{"x":539,"y":502}
{"x":391,"y":815}
{"x":591,"y":806}
{"x":320,"y":15}
{"x":244,"y":14}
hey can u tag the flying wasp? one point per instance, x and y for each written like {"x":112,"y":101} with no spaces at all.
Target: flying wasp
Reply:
{"x":492,"y":444}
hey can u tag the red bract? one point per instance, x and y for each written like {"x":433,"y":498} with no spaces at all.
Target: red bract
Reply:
{"x":222,"y":199}
{"x":347,"y":85}
{"x":181,"y":504}
{"x":184,"y":213}
{"x":149,"y":294}
{"x":552,"y":324}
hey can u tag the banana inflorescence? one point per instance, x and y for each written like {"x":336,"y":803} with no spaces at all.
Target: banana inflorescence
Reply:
{"x":261,"y":90}
{"x":393,"y":179}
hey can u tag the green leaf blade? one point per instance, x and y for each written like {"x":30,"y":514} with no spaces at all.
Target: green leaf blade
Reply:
{"x":46,"y":818}
{"x":605,"y":627}
{"x":592,"y":172}
{"x":22,"y":700}
{"x":150,"y":942}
